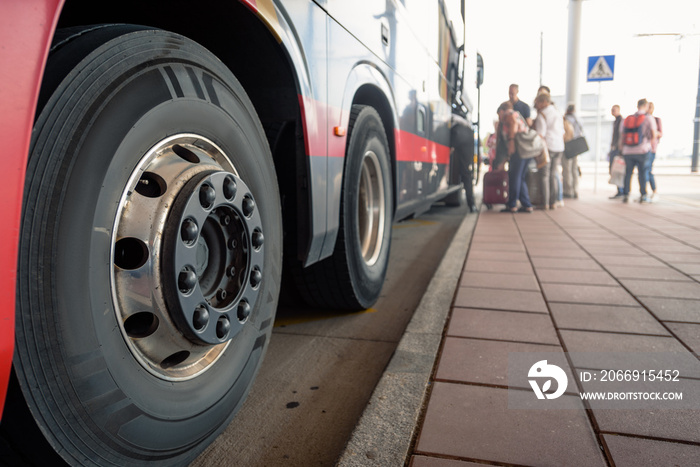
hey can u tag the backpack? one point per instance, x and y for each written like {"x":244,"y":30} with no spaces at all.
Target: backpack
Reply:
{"x":632,"y":130}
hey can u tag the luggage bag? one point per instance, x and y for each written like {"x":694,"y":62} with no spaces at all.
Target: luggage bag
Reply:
{"x":495,"y":188}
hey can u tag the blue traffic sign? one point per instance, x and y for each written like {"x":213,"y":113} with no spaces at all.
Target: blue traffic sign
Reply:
{"x":601,"y":68}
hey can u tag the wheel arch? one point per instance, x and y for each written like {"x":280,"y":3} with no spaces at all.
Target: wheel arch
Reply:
{"x":368,"y":86}
{"x":270,"y":67}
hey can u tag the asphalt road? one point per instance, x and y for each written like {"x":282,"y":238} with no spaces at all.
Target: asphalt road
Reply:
{"x":321,"y":367}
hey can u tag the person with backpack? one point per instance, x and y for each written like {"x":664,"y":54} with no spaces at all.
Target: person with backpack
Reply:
{"x":637,"y":132}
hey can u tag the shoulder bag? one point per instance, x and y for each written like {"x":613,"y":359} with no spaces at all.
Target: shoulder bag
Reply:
{"x":529,"y":144}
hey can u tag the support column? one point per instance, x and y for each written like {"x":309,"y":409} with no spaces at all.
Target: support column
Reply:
{"x":573,"y":60}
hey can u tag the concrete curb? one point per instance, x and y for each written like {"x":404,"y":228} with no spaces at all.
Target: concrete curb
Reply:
{"x":384,"y":433}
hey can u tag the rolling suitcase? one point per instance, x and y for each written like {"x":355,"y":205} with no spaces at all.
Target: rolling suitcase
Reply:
{"x":495,"y":188}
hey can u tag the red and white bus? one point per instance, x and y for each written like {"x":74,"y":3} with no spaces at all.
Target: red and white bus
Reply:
{"x":163,"y":162}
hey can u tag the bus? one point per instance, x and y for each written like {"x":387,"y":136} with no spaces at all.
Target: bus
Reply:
{"x":166,"y":164}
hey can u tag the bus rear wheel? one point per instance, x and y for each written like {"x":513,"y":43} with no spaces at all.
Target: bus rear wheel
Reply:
{"x":352,"y":278}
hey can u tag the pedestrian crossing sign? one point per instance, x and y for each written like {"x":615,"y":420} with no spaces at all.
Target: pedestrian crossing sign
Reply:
{"x":601,"y":68}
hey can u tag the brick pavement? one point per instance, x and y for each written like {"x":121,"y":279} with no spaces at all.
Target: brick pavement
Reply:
{"x":597,"y":275}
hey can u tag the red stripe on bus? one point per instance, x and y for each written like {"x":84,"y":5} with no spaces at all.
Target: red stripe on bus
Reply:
{"x":319,"y":137}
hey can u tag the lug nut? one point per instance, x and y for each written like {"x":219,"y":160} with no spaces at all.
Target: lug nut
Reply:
{"x":186,"y":281}
{"x":231,"y":271}
{"x":189,"y":232}
{"x":221,"y":295}
{"x":223,"y":326}
{"x":248,"y":206}
{"x":243,"y":310}
{"x":255,"y":277}
{"x":258,"y":239}
{"x":207,"y":195}
{"x":230,"y":188}
{"x":225,"y":220}
{"x":232,"y":244}
{"x":200,"y":318}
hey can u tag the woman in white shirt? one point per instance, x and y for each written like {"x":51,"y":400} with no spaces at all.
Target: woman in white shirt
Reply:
{"x":550,"y":125}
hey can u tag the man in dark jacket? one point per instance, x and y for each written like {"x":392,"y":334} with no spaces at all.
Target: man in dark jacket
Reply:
{"x":615,"y":145}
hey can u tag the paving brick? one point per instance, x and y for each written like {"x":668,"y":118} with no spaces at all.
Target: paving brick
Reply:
{"x":604,"y":250}
{"x":666,"y":289}
{"x":586,"y":264}
{"x":633,"y":272}
{"x":588,"y":341}
{"x":688,"y":333}
{"x":497,"y":237}
{"x":669,"y":309}
{"x":482,"y":361}
{"x":635,"y":452}
{"x":514,"y":256}
{"x":673,"y":257}
{"x":670,"y":247}
{"x":479,"y":245}
{"x":596,"y":349}
{"x":554,"y":245}
{"x":592,"y":294}
{"x":575,"y":277}
{"x":509,"y":300}
{"x":474,"y":422}
{"x":500,"y":281}
{"x":502,"y":325}
{"x":681,"y":425}
{"x":688,"y":268}
{"x":617,"y":260}
{"x":547,"y":252}
{"x":498,"y":266}
{"x":424,"y":461}
{"x":606,"y":318}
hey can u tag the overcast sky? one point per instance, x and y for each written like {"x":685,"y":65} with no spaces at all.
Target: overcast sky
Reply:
{"x":663,"y":69}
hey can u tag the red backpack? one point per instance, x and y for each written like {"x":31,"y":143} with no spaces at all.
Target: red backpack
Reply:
{"x":632,"y":130}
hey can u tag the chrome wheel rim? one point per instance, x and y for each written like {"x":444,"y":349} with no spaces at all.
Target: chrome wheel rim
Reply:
{"x":187,"y":257}
{"x":371,"y":208}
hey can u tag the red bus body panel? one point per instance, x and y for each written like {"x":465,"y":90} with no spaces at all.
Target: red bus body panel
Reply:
{"x":26,"y":28}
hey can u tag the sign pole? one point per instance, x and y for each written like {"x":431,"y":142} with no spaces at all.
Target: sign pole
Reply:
{"x":600,"y":68}
{"x":597,"y":139}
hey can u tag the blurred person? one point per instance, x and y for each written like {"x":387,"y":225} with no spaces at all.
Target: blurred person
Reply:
{"x":462,"y":137}
{"x":615,"y":145}
{"x":511,"y":123}
{"x":491,"y":141}
{"x":518,"y":105}
{"x":654,"y":145}
{"x":570,"y":164}
{"x":550,"y":125}
{"x":637,"y":131}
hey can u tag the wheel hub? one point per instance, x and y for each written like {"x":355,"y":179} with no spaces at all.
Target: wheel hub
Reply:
{"x":211,"y":255}
{"x":188,"y":254}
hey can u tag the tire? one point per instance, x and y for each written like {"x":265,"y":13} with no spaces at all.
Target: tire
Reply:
{"x":150,"y":251}
{"x":352,"y":278}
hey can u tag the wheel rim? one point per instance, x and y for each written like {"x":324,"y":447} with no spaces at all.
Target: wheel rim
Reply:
{"x":187,"y":256}
{"x":371,"y":208}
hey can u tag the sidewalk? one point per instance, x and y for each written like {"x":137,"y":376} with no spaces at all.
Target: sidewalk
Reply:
{"x":595,"y":276}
